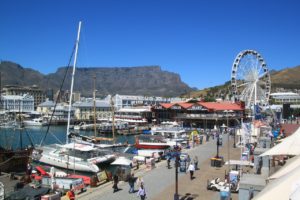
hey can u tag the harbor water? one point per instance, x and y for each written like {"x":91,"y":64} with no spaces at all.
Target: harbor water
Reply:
{"x":13,"y":138}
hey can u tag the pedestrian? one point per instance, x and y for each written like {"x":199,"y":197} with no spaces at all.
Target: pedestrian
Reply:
{"x":187,"y":161}
{"x":131,"y":181}
{"x":116,"y":181}
{"x":196,"y":162}
{"x":168,"y":162}
{"x":191,"y":169}
{"x":140,"y":181}
{"x":137,"y":165}
{"x":71,"y":194}
{"x":142,"y":192}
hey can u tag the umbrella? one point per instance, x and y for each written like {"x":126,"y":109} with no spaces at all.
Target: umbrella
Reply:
{"x":291,"y":164}
{"x":281,"y":188}
{"x":288,"y":146}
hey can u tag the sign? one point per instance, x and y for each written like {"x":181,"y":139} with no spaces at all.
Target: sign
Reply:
{"x":196,"y":107}
{"x":176,"y":107}
{"x":102,"y":176}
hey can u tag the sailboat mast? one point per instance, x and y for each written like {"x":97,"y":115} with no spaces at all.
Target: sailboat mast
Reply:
{"x":72,"y":82}
{"x":94,"y":97}
{"x":113,"y":118}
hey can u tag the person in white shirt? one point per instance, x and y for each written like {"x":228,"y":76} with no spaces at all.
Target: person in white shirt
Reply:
{"x":191,"y":169}
{"x":142,"y":192}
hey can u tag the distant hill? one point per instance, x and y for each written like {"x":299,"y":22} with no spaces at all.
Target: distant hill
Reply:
{"x":144,"y":80}
{"x":288,"y":79}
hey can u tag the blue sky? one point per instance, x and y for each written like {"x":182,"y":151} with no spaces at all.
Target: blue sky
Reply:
{"x":198,"y":39}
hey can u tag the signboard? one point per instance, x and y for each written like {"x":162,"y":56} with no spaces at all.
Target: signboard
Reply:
{"x":176,"y":107}
{"x":102,"y":176}
{"x":196,"y":107}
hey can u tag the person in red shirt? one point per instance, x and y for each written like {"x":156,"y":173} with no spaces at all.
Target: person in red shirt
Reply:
{"x":70,"y":194}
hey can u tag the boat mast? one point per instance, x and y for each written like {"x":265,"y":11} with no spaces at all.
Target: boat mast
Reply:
{"x":113,"y":118}
{"x":94,"y":98}
{"x":72,"y":82}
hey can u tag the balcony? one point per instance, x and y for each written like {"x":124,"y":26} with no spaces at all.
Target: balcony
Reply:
{"x":209,"y":116}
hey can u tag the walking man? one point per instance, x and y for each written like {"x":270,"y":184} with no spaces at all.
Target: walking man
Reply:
{"x":131,"y":181}
{"x":196,"y":162}
{"x":191,"y":169}
{"x":168,"y":162}
{"x":116,"y":180}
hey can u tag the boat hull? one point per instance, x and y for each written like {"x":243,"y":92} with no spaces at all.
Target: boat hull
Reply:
{"x":151,"y":146}
{"x":14,"y":160}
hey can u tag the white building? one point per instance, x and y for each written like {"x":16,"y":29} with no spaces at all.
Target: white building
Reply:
{"x":18,"y":103}
{"x":286,"y":97}
{"x":85,"y":110}
{"x":127,"y":101}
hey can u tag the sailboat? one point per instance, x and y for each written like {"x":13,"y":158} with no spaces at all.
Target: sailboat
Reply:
{"x":14,"y":159}
{"x":67,"y":156}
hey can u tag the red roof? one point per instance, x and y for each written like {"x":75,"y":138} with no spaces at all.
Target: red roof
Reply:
{"x":214,"y":106}
{"x":218,"y":106}
{"x":167,"y":105}
{"x":185,"y":105}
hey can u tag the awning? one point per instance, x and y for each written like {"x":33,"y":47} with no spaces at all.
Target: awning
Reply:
{"x":281,"y":188}
{"x":122,"y":161}
{"x":288,"y":146}
{"x":240,"y":162}
{"x":291,"y":164}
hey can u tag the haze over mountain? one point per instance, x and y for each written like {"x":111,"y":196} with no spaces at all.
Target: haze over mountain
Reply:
{"x":143,"y":80}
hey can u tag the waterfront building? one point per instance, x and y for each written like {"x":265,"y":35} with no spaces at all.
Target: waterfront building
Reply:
{"x":46,"y":107}
{"x":38,"y":95}
{"x":85,"y":110}
{"x":60,"y":113}
{"x":285,"y":98}
{"x":125,"y":101}
{"x":200,"y":114}
{"x":135,"y":115}
{"x":18,"y":103}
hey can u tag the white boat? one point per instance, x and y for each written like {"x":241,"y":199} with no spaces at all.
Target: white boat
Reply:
{"x":70,"y":155}
{"x":170,"y":133}
{"x":57,"y":156}
{"x":35,"y":122}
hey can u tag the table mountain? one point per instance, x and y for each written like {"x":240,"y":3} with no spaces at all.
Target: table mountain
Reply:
{"x":144,"y":80}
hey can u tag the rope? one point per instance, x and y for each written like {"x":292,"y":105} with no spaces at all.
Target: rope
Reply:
{"x":59,"y":93}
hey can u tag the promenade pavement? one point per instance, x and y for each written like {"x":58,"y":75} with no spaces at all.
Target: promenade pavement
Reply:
{"x":160,"y":182}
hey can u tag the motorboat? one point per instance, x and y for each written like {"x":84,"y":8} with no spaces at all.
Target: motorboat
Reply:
{"x":71,"y":156}
{"x":151,"y":142}
{"x":35,"y":122}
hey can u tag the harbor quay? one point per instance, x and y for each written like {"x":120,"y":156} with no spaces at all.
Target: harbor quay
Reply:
{"x":160,"y":181}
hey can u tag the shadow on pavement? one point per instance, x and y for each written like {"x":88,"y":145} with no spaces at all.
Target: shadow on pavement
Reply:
{"x":189,"y":196}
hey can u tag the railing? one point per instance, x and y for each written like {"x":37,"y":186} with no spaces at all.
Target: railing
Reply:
{"x":210,"y":116}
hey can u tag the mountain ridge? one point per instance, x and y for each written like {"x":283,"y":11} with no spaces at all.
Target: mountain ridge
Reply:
{"x":138,"y":80}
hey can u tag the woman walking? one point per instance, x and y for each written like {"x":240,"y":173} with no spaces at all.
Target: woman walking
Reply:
{"x":142,"y":192}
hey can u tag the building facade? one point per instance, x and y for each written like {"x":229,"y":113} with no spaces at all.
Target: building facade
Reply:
{"x":127,"y":101}
{"x":285,"y":98}
{"x":86,"y":110}
{"x":200,"y":114}
{"x":17,"y":103}
{"x":38,"y":95}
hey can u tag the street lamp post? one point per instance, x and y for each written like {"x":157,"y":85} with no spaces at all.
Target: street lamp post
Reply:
{"x":228,"y":151}
{"x":176,"y":196}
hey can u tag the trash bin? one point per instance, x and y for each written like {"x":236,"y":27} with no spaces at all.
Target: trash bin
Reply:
{"x":213,"y":162}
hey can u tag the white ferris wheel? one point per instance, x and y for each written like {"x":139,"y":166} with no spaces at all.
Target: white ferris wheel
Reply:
{"x":250,"y":79}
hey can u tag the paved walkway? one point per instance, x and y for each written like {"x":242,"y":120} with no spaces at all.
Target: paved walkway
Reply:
{"x":160,"y":182}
